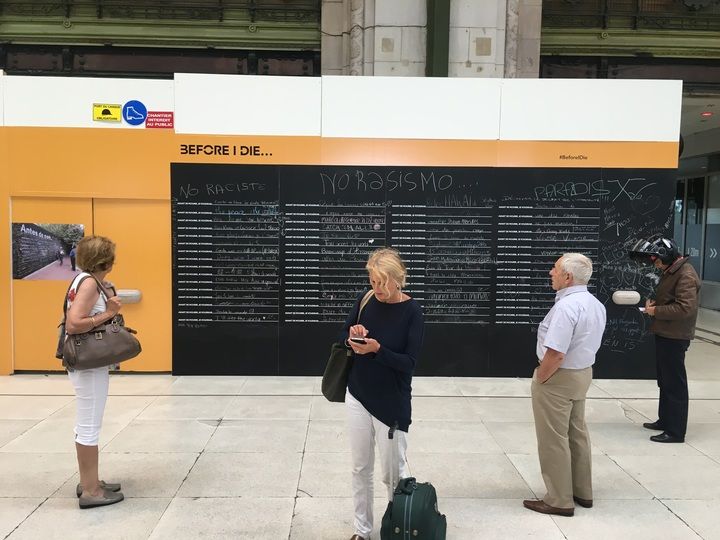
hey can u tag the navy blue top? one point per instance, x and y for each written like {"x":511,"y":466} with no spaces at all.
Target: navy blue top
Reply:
{"x":382,"y":381}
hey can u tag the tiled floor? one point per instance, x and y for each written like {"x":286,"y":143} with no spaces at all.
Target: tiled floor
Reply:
{"x":267,"y":458}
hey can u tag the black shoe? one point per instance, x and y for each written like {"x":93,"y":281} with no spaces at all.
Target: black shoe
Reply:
{"x":653,"y":425}
{"x":544,"y":508}
{"x":666,"y":437}
{"x":585,"y":503}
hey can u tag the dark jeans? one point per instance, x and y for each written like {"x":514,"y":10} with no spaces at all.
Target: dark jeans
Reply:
{"x":672,"y":381}
{"x":72,"y":262}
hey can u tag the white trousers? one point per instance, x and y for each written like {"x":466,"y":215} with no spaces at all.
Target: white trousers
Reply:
{"x":365,"y":431}
{"x":91,"y":392}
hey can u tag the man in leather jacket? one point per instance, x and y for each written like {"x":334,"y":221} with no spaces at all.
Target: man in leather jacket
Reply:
{"x":674,"y":312}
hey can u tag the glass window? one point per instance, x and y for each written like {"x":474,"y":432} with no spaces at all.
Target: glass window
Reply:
{"x":694,"y":220}
{"x":678,"y":232}
{"x":712,"y":232}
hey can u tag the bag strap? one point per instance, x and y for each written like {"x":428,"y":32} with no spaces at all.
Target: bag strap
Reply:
{"x":363,"y":303}
{"x":68,"y":292}
{"x":394,"y":459}
{"x":101,"y":287}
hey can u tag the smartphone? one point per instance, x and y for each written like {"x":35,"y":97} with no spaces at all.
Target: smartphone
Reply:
{"x":358,"y":340}
{"x":642,"y":309}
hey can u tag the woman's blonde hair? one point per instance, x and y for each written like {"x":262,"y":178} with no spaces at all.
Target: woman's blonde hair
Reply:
{"x":387,"y":265}
{"x":95,"y":253}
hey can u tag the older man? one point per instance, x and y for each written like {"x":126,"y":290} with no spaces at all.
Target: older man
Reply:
{"x":568,"y":339}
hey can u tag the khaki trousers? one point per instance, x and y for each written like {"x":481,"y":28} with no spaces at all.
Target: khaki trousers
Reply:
{"x":562,"y":436}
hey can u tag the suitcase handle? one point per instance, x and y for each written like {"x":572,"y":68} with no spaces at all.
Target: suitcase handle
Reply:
{"x":406,"y":486}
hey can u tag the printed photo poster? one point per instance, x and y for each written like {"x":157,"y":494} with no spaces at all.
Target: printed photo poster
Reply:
{"x":45,"y":250}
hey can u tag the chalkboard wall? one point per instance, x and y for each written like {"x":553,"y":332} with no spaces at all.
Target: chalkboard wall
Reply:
{"x":267,"y":260}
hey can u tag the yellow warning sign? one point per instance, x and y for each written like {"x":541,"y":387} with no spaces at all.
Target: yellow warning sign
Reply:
{"x":106,"y":112}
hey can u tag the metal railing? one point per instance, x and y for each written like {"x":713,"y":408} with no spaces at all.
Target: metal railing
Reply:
{"x":633,"y":14}
{"x":208,"y":10}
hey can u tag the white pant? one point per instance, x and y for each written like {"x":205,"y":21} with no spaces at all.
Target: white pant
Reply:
{"x":365,"y":431}
{"x":91,"y":392}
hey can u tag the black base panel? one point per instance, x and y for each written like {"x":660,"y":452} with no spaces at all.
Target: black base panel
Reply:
{"x":247,"y":349}
{"x":305,"y":348}
{"x":628,"y":349}
{"x":640,"y":365}
{"x":448,"y":350}
{"x":512,"y":353}
{"x":454,"y":350}
{"x":627,"y":352}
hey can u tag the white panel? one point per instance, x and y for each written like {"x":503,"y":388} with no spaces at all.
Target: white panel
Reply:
{"x":590,"y":110}
{"x":411,"y":108}
{"x":68,"y":101}
{"x":247,"y":105}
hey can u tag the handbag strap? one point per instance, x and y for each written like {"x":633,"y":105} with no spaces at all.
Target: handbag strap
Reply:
{"x":106,"y":292}
{"x":65,"y":298}
{"x":101,"y":289}
{"x":363,"y":303}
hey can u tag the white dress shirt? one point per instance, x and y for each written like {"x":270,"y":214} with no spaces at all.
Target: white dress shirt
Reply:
{"x":574,"y":326}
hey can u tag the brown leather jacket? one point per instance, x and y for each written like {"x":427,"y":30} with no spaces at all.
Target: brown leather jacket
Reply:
{"x":676,"y":301}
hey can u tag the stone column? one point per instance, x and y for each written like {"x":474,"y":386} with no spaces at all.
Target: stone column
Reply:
{"x":334,"y":39}
{"x":522,"y":38}
{"x":373,"y":37}
{"x":347,"y":40}
{"x":357,"y":34}
{"x":511,"y":39}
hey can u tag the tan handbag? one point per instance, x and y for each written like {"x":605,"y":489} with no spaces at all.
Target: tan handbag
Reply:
{"x":337,"y":370}
{"x":106,"y":344}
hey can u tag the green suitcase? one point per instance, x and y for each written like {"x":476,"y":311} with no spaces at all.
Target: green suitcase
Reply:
{"x":413,"y":512}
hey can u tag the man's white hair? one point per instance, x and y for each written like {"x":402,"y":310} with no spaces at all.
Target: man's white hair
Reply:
{"x":578,"y":265}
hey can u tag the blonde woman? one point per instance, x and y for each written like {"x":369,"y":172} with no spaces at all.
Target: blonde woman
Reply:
{"x":386,"y":342}
{"x":88,"y":307}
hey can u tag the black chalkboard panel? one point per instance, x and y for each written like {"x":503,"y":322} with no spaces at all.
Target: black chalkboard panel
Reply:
{"x":267,"y":260}
{"x":226,"y":270}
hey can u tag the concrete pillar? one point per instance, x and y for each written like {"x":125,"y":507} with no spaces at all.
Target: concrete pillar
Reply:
{"x":373,"y":37}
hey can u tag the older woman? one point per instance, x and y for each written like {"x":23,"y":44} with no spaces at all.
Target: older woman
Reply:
{"x":386,"y":342}
{"x":88,"y":307}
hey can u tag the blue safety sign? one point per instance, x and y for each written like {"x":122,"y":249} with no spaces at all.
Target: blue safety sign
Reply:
{"x":134,"y":112}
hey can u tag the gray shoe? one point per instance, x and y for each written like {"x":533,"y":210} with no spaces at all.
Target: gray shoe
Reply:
{"x":103,"y":484}
{"x":105,"y":498}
